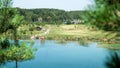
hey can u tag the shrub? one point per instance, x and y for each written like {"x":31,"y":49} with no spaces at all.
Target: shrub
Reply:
{"x":4,"y":43}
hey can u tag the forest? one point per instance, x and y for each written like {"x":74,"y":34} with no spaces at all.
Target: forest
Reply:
{"x":50,"y":16}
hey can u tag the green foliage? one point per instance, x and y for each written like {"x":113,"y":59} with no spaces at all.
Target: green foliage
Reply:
{"x":17,"y":20}
{"x":15,"y":23}
{"x":113,"y":60}
{"x":5,"y":3}
{"x":4,"y":43}
{"x":20,"y":53}
{"x":10,"y":19}
{"x":31,"y":29}
{"x":40,"y":23}
{"x":104,"y":15}
{"x":5,"y":17}
{"x":68,"y":22}
{"x":6,"y":14}
{"x":14,"y":53}
{"x":49,"y":16}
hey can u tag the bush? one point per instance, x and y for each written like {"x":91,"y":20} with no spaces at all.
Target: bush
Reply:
{"x":4,"y":43}
{"x":68,"y":22}
{"x":31,"y":28}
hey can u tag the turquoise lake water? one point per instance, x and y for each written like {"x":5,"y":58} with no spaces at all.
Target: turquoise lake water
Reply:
{"x":51,"y":54}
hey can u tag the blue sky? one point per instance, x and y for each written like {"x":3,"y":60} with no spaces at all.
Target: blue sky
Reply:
{"x":57,"y":4}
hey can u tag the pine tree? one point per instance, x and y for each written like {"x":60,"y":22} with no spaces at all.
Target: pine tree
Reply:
{"x":104,"y":14}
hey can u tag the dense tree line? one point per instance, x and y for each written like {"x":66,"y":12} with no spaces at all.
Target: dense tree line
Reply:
{"x":50,"y":15}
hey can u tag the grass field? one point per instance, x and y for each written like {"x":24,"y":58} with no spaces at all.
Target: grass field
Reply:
{"x":67,"y":32}
{"x":79,"y":31}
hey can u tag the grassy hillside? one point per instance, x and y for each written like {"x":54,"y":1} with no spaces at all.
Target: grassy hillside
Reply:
{"x":76,"y":32}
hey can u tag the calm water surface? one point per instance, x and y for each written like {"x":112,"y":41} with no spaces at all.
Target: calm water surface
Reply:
{"x":51,"y":54}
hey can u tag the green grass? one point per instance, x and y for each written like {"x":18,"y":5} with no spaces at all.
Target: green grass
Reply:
{"x":67,"y":32}
{"x":110,"y":46}
{"x":79,"y":31}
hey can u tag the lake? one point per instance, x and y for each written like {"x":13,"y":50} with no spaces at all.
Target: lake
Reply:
{"x":52,"y":54}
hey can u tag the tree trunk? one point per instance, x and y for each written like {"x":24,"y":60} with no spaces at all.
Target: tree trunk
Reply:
{"x":16,"y":63}
{"x":15,"y":37}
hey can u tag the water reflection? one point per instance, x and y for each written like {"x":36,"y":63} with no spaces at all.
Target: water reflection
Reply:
{"x":83,"y":43}
{"x":61,"y":42}
{"x":2,"y":65}
{"x":70,"y":55}
{"x":42,"y":42}
{"x":113,"y":60}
